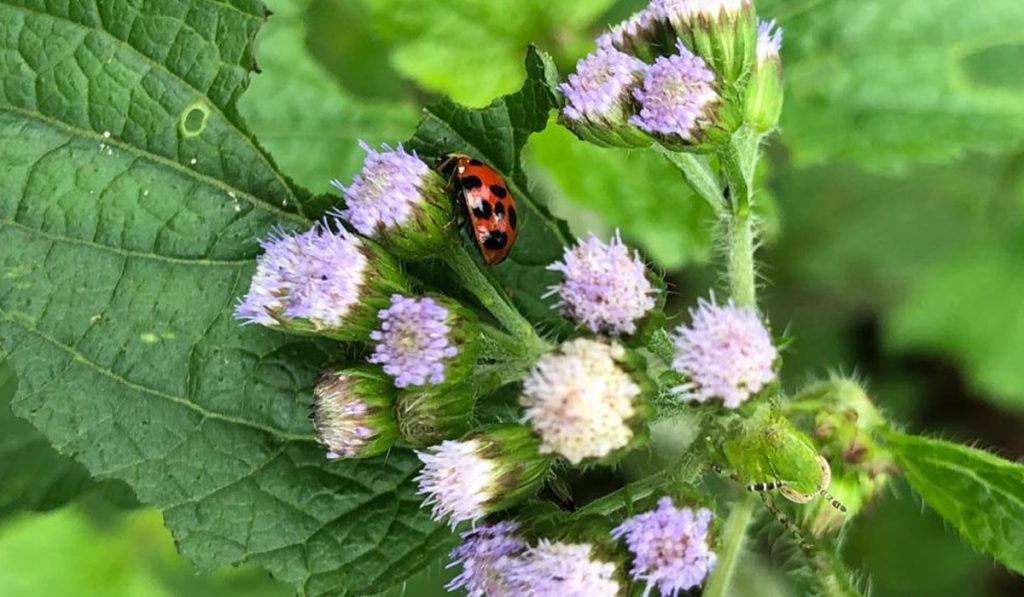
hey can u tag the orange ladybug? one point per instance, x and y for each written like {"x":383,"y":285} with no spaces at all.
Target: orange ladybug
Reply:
{"x":490,"y":207}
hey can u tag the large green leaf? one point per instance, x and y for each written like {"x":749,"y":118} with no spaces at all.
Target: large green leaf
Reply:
{"x":497,"y":134}
{"x":472,"y":50}
{"x":637,"y":191}
{"x":130,"y":206}
{"x":300,"y":113}
{"x":885,"y":83}
{"x":35,"y":476}
{"x":980,"y":494}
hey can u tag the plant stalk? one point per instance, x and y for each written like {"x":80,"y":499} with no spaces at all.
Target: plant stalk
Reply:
{"x":734,"y":535}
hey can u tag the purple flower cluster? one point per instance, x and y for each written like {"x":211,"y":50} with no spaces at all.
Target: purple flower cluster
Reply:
{"x":669,"y":546}
{"x":596,"y":92}
{"x":413,"y":343}
{"x":677,"y":97}
{"x":726,"y":352}
{"x":316,"y":275}
{"x":485,"y":555}
{"x":556,"y":569}
{"x":386,"y":191}
{"x":605,"y":286}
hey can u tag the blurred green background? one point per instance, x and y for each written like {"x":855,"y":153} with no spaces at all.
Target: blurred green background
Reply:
{"x":893,"y":247}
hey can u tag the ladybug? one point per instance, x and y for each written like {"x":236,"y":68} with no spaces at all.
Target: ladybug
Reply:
{"x":490,"y":208}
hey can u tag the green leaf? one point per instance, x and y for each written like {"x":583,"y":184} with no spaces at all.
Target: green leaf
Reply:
{"x":968,"y":307}
{"x":980,"y":494}
{"x":637,"y":191}
{"x":36,"y":477}
{"x":496,"y":134}
{"x":130,"y":207}
{"x":885,"y":84}
{"x":307,"y":121}
{"x":472,"y":51}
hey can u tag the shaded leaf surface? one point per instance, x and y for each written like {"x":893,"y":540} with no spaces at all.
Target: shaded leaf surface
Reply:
{"x":980,"y":494}
{"x":129,"y":224}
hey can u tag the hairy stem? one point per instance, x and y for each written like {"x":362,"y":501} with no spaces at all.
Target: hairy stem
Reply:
{"x":740,"y":266}
{"x":734,"y":535}
{"x":480,"y":286}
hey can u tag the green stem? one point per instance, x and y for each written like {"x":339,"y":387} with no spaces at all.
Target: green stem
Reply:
{"x":500,"y":346}
{"x":742,"y":283}
{"x":734,"y":535}
{"x":480,"y":286}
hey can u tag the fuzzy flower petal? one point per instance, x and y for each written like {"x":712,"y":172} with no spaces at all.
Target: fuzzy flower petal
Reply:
{"x":677,"y":97}
{"x":386,"y":191}
{"x":685,"y":11}
{"x":605,"y":287}
{"x":457,"y":480}
{"x":769,"y":41}
{"x":413,"y":341}
{"x":726,"y":352}
{"x":579,"y":400}
{"x":485,"y":555}
{"x":337,"y":418}
{"x":316,"y":275}
{"x":596,"y":92}
{"x":562,"y":570}
{"x":669,"y":546}
{"x":632,"y":28}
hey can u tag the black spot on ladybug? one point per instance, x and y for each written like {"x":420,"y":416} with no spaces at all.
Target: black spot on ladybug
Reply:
{"x":496,"y":241}
{"x":475,"y":162}
{"x":499,"y":191}
{"x":471,"y":182}
{"x":512,"y":217}
{"x":483,"y":210}
{"x":499,"y":208}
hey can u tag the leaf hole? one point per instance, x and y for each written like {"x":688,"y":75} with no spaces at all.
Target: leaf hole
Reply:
{"x":193,"y":119}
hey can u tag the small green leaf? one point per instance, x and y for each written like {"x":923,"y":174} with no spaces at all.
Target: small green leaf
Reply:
{"x":130,"y":208}
{"x":496,"y":134}
{"x":980,"y":494}
{"x":308,"y":122}
{"x":885,"y":84}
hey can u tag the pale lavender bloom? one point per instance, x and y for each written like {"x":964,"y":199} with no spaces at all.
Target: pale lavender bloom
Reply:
{"x":386,"y":191}
{"x":458,"y":481}
{"x":726,"y":353}
{"x":485,"y":554}
{"x":677,"y":97}
{"x":683,"y":12}
{"x":605,"y":287}
{"x":669,"y":546}
{"x":599,"y":89}
{"x":413,"y":342}
{"x":316,"y":275}
{"x":562,"y":570}
{"x":769,"y":41}
{"x":632,"y":28}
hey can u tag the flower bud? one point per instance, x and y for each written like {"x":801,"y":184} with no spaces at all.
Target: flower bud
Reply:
{"x":605,"y":287}
{"x":644,"y":35}
{"x":428,"y":415}
{"x":598,"y":99}
{"x":321,"y":281}
{"x":723,"y":32}
{"x":488,"y":471}
{"x":352,"y":413}
{"x":726,"y":353}
{"x":427,"y":340}
{"x":679,"y":103}
{"x":844,"y":423}
{"x":585,"y":403}
{"x":399,"y":200}
{"x":670,"y":547}
{"x":764,"y":91}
